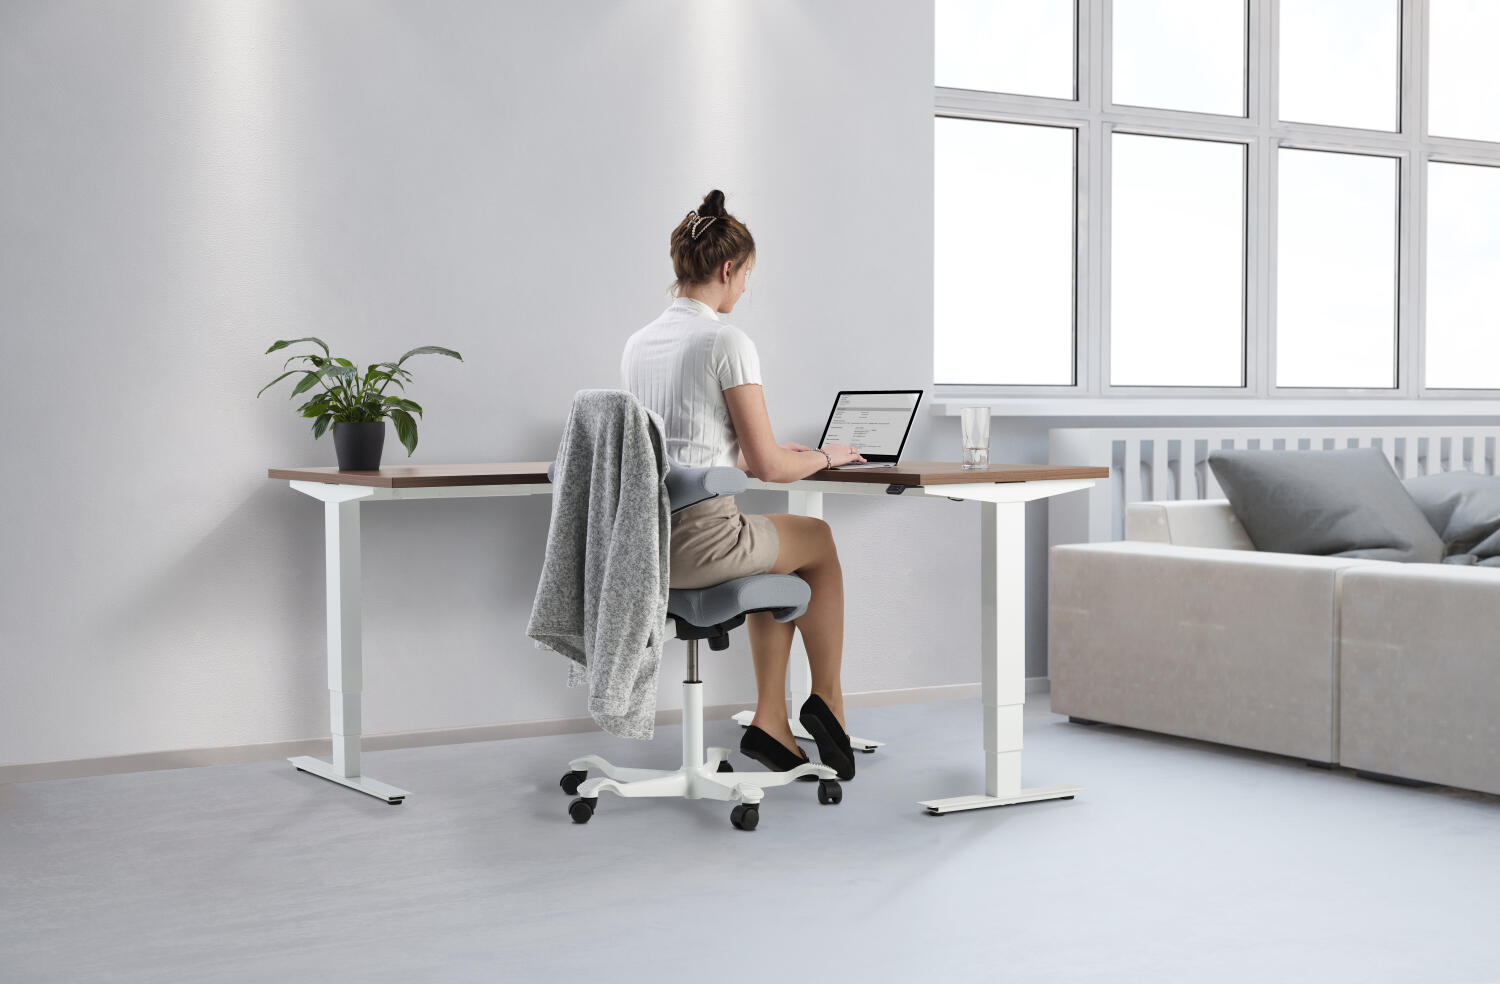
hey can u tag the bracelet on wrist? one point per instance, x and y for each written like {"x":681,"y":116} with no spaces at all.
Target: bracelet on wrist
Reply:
{"x":827,"y":459}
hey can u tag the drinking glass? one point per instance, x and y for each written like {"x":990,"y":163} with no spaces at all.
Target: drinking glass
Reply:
{"x":975,"y":423}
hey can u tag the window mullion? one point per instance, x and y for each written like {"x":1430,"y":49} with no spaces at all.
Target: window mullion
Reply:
{"x":1260,"y":216}
{"x":1412,"y":309}
{"x":1092,"y":82}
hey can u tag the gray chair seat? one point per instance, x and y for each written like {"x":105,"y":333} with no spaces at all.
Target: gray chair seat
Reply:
{"x":785,"y":595}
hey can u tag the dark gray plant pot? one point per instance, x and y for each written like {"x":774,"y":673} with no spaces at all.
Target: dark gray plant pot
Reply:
{"x":358,"y":445}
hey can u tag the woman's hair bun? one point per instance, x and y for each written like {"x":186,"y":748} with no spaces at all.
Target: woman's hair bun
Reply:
{"x":707,"y":238}
{"x":713,"y":203}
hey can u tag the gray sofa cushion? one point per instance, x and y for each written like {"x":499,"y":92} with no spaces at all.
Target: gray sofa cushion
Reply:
{"x":1464,"y":508}
{"x":1344,"y":503}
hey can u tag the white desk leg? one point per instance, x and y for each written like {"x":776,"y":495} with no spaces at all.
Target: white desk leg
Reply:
{"x":345,"y":669}
{"x":799,"y":670}
{"x":1002,"y":657}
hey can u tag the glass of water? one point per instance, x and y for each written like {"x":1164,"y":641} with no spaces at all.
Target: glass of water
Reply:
{"x":975,"y":423}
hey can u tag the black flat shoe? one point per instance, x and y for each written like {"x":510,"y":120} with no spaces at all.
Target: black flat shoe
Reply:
{"x":833,"y":744}
{"x":760,"y":746}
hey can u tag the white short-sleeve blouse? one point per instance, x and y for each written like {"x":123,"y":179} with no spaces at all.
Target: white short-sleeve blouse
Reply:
{"x":679,"y":366}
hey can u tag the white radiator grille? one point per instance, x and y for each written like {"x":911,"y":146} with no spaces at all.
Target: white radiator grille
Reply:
{"x":1156,"y":463}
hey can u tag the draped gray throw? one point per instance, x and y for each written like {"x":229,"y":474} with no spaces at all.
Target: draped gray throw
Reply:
{"x":602,"y":597}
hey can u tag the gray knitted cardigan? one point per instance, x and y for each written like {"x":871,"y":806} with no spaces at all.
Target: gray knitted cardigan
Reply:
{"x":602,"y":598}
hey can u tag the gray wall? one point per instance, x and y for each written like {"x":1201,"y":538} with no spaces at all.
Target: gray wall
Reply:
{"x":184,"y":182}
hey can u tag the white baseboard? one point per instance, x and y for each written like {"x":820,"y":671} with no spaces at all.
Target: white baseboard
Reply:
{"x":269,"y":750}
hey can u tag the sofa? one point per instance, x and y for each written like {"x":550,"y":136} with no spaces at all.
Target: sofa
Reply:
{"x":1184,"y":628}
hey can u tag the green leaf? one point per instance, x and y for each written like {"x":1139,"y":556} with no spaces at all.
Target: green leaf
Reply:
{"x":293,"y":341}
{"x":406,"y":429}
{"x":321,"y":424}
{"x":382,"y":374}
{"x":430,"y":350}
{"x":315,"y":360}
{"x":283,"y":376}
{"x":317,"y":405}
{"x":404,"y":404}
{"x":342,"y":377}
{"x":309,"y":382}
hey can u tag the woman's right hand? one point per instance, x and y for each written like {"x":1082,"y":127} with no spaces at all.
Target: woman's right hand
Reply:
{"x":842,"y":454}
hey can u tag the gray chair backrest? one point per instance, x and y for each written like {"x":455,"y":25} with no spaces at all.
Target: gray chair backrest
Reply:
{"x":690,"y":486}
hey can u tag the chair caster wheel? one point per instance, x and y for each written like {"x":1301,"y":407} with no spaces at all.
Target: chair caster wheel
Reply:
{"x":868,"y":751}
{"x":582,"y":809}
{"x":725,"y":767}
{"x":830,"y":792}
{"x":745,"y":816}
{"x":570,"y":780}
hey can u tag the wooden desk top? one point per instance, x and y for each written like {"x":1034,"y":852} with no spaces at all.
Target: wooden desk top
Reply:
{"x":910,"y":473}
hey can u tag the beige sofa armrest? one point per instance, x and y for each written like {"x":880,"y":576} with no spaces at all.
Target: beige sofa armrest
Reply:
{"x":1419,"y":679}
{"x":1187,"y":523}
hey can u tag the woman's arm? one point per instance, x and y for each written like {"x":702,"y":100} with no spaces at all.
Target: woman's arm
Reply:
{"x":789,"y":445}
{"x":760,"y":455}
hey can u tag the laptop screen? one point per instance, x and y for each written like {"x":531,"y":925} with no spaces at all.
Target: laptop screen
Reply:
{"x":874,"y":422}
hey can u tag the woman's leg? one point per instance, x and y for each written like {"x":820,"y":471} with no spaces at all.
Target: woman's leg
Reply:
{"x":807,"y":550}
{"x":770,"y":648}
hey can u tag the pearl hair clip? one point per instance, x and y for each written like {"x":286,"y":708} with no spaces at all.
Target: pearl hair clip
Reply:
{"x":700,"y":222}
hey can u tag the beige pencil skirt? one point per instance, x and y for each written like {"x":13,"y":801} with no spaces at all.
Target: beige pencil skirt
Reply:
{"x":714,"y":542}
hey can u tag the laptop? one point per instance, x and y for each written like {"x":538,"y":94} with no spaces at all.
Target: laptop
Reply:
{"x":874,"y":422}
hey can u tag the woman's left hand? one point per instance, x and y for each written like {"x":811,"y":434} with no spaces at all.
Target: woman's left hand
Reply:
{"x":794,"y":446}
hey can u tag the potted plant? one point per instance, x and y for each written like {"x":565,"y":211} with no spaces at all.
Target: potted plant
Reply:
{"x":355,"y":403}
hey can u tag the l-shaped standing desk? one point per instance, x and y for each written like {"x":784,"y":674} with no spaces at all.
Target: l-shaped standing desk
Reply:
{"x":1001,"y":490}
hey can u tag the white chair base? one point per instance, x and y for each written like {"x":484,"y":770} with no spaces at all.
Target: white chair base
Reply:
{"x":691,"y":781}
{"x":698,"y":778}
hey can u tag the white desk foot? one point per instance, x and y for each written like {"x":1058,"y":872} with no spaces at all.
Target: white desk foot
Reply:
{"x":363,"y":784}
{"x":743,"y":719}
{"x":957,"y":803}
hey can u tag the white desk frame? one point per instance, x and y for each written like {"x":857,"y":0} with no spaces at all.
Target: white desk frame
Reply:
{"x":1002,"y":645}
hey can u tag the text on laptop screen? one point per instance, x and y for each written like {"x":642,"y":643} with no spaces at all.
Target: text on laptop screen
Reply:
{"x":872,"y":423}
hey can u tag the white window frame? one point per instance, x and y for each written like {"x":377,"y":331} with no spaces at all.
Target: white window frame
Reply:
{"x":1094,"y":118}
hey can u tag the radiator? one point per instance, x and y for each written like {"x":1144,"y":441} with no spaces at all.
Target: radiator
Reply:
{"x":1154,"y":463}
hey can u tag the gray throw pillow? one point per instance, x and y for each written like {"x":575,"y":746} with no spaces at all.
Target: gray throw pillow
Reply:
{"x":1345,"y":503}
{"x":1464,"y":508}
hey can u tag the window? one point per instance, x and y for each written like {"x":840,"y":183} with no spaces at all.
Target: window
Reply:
{"x":1463,"y":276}
{"x":1341,"y":62}
{"x":1021,"y":46}
{"x":1286,"y":199}
{"x":1003,"y":270}
{"x":1177,"y":229}
{"x":1180,"y":54}
{"x":1335,"y":270}
{"x":1464,"y":90}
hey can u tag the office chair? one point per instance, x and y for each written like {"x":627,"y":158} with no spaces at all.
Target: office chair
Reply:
{"x":709,"y":613}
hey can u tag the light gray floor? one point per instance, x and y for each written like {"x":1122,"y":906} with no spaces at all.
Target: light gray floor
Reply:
{"x":1181,"y":861}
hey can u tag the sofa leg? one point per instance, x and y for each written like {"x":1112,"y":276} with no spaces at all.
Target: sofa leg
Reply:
{"x":1074,"y":720}
{"x":1325,"y":766}
{"x":1393,"y":780}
